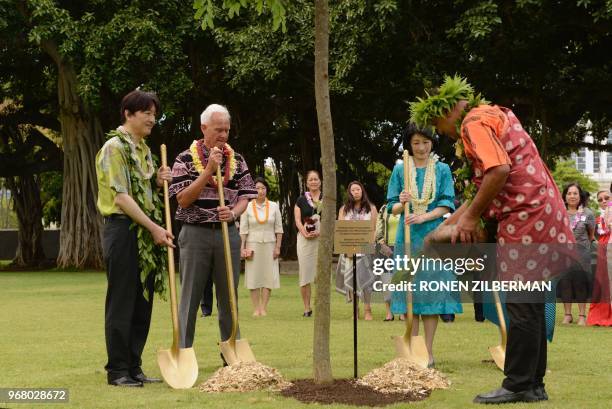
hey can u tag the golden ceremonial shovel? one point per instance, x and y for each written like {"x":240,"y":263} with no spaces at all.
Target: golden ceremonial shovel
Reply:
{"x":408,"y":346}
{"x":498,"y":352}
{"x":178,"y":366}
{"x":233,"y":350}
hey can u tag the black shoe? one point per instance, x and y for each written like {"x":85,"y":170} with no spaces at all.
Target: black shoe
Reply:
{"x":389,"y":319}
{"x":536,"y":394}
{"x":501,"y":395}
{"x":308,"y":314}
{"x":125,"y":381}
{"x":141,"y":377}
{"x":541,"y":392}
{"x":224,"y":361}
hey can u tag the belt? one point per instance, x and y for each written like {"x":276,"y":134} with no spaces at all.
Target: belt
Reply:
{"x":116,"y":216}
{"x":211,"y":225}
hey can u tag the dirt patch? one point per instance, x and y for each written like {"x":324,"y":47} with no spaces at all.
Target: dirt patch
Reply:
{"x":345,"y":391}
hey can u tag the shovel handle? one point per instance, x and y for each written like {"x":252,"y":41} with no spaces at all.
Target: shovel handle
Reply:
{"x":171,"y":273}
{"x":409,"y":314}
{"x":501,"y":318}
{"x":229,"y":271}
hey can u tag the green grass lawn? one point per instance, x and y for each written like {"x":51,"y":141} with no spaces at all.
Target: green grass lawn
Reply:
{"x":52,"y":335}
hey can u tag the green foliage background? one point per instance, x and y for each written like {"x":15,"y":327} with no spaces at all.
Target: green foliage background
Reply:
{"x":547,"y":60}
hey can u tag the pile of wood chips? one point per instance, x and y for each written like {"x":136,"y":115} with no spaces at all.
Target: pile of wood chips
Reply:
{"x":245,"y":377}
{"x":403,"y":376}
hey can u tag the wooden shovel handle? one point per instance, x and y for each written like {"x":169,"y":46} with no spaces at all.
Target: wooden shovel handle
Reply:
{"x":501,"y":318}
{"x":171,"y":273}
{"x":229,"y":271}
{"x":409,"y":314}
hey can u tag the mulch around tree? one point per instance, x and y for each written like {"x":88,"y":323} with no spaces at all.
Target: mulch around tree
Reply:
{"x":345,"y":391}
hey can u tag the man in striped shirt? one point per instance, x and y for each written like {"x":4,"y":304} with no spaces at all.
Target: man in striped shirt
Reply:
{"x":194,"y":184}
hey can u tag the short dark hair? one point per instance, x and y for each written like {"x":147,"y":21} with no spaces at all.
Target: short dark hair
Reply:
{"x":263,"y":182}
{"x":411,"y":130}
{"x":583,"y":197}
{"x":314,"y":171}
{"x":138,"y":101}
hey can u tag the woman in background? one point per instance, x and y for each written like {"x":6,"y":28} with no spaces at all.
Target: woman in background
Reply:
{"x":600,"y":311}
{"x":307,"y":213}
{"x":261,"y":234}
{"x":574,"y":285}
{"x":357,"y":207}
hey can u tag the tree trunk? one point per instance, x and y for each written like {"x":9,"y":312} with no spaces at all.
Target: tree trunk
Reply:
{"x":80,"y":238}
{"x":288,"y":189}
{"x":26,"y":202}
{"x":321,"y":359}
{"x":6,"y":208}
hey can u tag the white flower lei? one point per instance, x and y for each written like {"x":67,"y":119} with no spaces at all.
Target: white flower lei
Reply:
{"x":420,"y":202}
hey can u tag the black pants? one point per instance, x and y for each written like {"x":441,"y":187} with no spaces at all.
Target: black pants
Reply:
{"x":479,"y":311}
{"x":525,"y":364}
{"x":127,"y":312}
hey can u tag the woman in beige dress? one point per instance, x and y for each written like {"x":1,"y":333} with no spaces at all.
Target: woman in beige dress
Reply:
{"x":307,"y":212}
{"x":261,"y":232}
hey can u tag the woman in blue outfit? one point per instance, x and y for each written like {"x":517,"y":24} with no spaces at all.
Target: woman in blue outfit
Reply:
{"x":432,"y":197}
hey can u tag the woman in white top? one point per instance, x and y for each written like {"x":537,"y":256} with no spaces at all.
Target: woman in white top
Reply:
{"x":261,"y":232}
{"x":357,"y":207}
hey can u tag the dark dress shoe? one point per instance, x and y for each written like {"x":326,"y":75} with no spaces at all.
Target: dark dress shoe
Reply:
{"x":541,"y":392}
{"x":224,"y":361}
{"x":536,"y":394}
{"x":501,"y":395}
{"x":141,"y":377}
{"x":125,"y":381}
{"x":308,"y":314}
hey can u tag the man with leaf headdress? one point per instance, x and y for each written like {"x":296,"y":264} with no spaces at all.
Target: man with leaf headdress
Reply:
{"x":507,"y":182}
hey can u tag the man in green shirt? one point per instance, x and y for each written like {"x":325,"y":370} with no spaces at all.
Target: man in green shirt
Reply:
{"x":125,"y":160}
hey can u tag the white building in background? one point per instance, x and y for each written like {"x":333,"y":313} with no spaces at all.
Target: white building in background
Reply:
{"x":595,"y":164}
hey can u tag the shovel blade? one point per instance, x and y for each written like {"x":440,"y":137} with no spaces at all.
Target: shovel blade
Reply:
{"x":414,"y":350}
{"x":498,"y":353}
{"x":179,"y":367}
{"x":238,"y":351}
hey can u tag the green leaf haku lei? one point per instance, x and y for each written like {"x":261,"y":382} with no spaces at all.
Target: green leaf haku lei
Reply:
{"x":424,"y":111}
{"x":152,"y":259}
